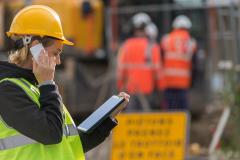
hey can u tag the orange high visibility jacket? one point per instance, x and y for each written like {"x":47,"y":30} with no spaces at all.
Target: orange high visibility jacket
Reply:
{"x":178,"y":48}
{"x":139,"y":66}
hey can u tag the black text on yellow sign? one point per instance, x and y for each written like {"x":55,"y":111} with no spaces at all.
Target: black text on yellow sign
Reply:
{"x":150,"y":136}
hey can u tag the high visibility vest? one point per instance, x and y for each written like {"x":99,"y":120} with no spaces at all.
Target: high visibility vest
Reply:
{"x":16,"y":146}
{"x":178,"y":47}
{"x":138,"y":66}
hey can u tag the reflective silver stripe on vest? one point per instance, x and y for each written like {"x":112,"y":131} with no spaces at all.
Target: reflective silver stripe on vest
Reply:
{"x":178,"y":56}
{"x":15,"y":141}
{"x":177,"y":72}
{"x":21,"y":140}
{"x":138,"y":66}
{"x":70,"y":130}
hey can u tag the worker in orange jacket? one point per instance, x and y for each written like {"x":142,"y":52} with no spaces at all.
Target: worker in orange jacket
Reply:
{"x":178,"y":49}
{"x":139,"y":67}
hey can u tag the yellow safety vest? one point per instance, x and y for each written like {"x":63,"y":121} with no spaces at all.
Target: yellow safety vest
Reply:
{"x":16,"y":146}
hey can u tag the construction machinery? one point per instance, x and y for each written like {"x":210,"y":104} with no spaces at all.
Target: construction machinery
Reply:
{"x":82,"y":21}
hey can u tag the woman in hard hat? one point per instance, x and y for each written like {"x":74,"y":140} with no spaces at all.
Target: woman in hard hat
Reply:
{"x":34,"y":122}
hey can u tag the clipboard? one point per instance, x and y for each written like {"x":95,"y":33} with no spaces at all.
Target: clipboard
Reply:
{"x":110,"y":107}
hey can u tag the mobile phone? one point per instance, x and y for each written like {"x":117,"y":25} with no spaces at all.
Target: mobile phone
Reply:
{"x":36,"y":50}
{"x":103,"y":112}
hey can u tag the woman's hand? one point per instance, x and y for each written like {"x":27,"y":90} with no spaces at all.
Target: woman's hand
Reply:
{"x":127,"y":98}
{"x":44,"y":69}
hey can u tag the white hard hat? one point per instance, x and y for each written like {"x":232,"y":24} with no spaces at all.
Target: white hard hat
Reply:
{"x":182,"y":21}
{"x":151,"y":31}
{"x":140,"y":19}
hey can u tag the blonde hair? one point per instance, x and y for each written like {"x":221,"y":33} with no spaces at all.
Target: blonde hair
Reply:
{"x":19,"y":57}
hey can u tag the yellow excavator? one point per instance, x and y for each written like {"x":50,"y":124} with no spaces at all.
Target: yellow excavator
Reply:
{"x":82,"y":20}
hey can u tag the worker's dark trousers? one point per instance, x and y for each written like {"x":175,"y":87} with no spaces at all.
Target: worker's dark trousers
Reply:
{"x":135,"y":104}
{"x":176,"y":99}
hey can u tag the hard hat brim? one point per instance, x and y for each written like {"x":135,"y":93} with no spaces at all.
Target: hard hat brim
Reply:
{"x":67,"y":42}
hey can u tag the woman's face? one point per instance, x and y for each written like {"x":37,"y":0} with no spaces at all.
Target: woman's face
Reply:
{"x":54,"y":50}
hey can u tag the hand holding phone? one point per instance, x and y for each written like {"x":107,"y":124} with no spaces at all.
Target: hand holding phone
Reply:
{"x":43,"y":64}
{"x":123,"y":105}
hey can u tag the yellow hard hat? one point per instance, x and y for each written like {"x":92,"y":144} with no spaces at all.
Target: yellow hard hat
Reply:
{"x":38,"y":20}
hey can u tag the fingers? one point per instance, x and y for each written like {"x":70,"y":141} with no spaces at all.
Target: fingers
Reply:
{"x":52,"y":63}
{"x":44,"y":67}
{"x":34,"y":64}
{"x":45,"y":58}
{"x":124,"y":95}
{"x":46,"y":61}
{"x":41,"y":58}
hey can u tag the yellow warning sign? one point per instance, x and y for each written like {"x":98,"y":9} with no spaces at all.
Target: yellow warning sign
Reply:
{"x":150,"y":136}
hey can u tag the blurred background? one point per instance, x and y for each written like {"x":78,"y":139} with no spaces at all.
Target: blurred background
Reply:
{"x":99,"y":28}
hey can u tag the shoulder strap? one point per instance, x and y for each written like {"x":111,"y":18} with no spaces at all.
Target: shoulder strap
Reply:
{"x":149,"y":52}
{"x":27,"y":87}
